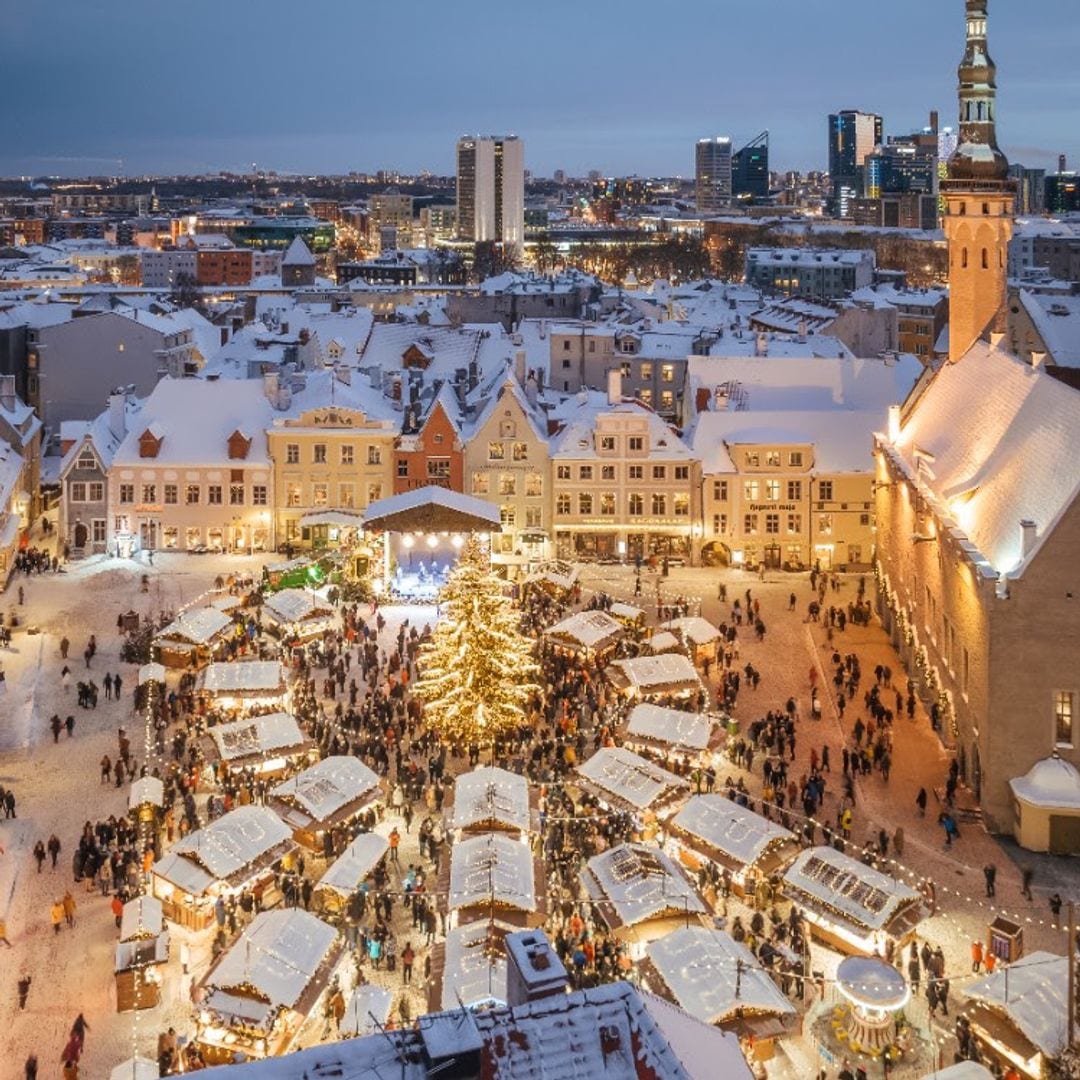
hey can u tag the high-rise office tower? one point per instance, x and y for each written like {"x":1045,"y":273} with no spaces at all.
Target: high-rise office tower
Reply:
{"x":979,"y":198}
{"x":750,"y":170}
{"x":491,"y":189}
{"x":853,"y":135}
{"x":712,"y":175}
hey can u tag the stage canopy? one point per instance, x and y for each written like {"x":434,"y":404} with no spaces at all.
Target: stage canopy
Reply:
{"x":432,"y":509}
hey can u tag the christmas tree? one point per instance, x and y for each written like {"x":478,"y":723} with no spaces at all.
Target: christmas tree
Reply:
{"x":477,"y":672}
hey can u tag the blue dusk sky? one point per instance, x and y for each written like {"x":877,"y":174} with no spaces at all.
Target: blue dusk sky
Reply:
{"x":135,"y":86}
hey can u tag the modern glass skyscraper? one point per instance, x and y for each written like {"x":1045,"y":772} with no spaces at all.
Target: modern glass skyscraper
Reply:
{"x":712,"y":174}
{"x":853,"y":135}
{"x":491,"y":189}
{"x":750,"y":169}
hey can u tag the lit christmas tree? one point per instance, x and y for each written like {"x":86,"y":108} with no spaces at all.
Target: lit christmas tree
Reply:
{"x":477,"y":672}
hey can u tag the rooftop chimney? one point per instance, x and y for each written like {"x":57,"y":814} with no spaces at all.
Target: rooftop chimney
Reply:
{"x":271,"y":385}
{"x":520,"y":360}
{"x":1028,"y":536}
{"x":118,"y":415}
{"x":533,"y":969}
{"x":614,"y":386}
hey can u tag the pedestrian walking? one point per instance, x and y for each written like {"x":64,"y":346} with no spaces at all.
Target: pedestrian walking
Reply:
{"x":69,"y":909}
{"x":1055,"y":908}
{"x":920,"y":802}
{"x":24,"y":989}
{"x":39,"y":854}
{"x":30,"y":1068}
{"x":990,"y":874}
{"x":407,"y":958}
{"x":976,"y":957}
{"x":1025,"y":888}
{"x":56,"y":913}
{"x":54,"y":849}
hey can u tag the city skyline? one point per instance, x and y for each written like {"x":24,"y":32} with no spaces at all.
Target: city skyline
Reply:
{"x":328,"y":101}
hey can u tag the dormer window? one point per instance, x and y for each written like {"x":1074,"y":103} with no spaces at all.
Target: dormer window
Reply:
{"x":239,"y":445}
{"x":150,"y":442}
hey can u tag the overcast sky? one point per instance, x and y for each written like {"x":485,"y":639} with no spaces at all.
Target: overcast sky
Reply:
{"x":333,"y":85}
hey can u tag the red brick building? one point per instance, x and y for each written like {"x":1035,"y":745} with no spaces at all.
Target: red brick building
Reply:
{"x":430,"y":451}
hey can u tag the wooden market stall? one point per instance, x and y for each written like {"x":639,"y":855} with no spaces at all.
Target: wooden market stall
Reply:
{"x":490,"y":799}
{"x":667,"y":675}
{"x":368,"y":1010}
{"x":641,"y":893}
{"x":693,"y":736}
{"x":713,"y":828}
{"x":700,"y":638}
{"x":257,"y":995}
{"x":591,"y":633}
{"x":469,"y":967}
{"x":146,"y":801}
{"x":347,"y":872}
{"x":243,"y":684}
{"x":718,"y":980}
{"x":268,"y":745}
{"x":194,"y":638}
{"x":240,"y":850}
{"x":329,"y":795}
{"x":849,"y":905}
{"x":142,"y":949}
{"x":299,"y":614}
{"x":630,"y":616}
{"x":556,"y":577}
{"x":493,"y":876}
{"x":632,"y":784}
{"x":661,"y":642}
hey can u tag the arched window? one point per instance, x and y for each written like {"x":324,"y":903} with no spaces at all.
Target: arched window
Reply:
{"x":980,"y":110}
{"x":963,"y":259}
{"x":985,"y":259}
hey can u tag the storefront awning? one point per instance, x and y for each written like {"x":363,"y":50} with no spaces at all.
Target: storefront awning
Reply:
{"x":432,"y":509}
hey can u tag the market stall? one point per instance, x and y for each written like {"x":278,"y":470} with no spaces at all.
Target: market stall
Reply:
{"x":1019,"y":1015}
{"x":851,"y":906}
{"x":591,"y":633}
{"x":299,"y":614}
{"x":329,"y":795}
{"x":367,"y":1011}
{"x":490,"y":799}
{"x":666,"y":731}
{"x":294,"y":573}
{"x":268,"y":745}
{"x":631,"y":617}
{"x":194,"y":638}
{"x":630,"y":783}
{"x":243,"y":684}
{"x":347,"y":872}
{"x":700,"y":638}
{"x":712,"y":828}
{"x":640,"y":893}
{"x":469,"y":967}
{"x":668,"y":675}
{"x":142,"y":949}
{"x":493,"y":876}
{"x":718,"y":980}
{"x":240,"y":850}
{"x":257,"y":995}
{"x":556,"y":577}
{"x":146,"y":801}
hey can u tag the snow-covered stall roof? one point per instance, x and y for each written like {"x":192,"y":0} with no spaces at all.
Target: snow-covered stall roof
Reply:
{"x":626,"y":611}
{"x":492,"y":867}
{"x":634,"y":883}
{"x":1033,"y":994}
{"x":432,"y":509}
{"x":367,"y":1011}
{"x":861,"y":895}
{"x":702,"y":1049}
{"x":474,"y":965}
{"x":563,"y":575}
{"x":233,"y":843}
{"x":198,"y":627}
{"x":728,"y":830}
{"x":321,"y":791}
{"x":295,"y":605}
{"x":354,"y":864}
{"x":674,"y":727}
{"x":141,"y":918}
{"x":586,"y":630}
{"x":243,"y":676}
{"x":136,"y":1068}
{"x":492,"y":797}
{"x":628,"y":778}
{"x":273,"y":733}
{"x":1052,"y":783}
{"x":694,"y":629}
{"x":147,"y":789}
{"x":655,"y":674}
{"x":962,"y":1070}
{"x":663,"y":642}
{"x":277,"y":957}
{"x":700,"y":968}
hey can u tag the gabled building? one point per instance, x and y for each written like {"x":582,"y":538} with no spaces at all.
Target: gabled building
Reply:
{"x":430,"y":449}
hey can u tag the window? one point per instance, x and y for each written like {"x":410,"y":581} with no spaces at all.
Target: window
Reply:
{"x":772,"y":459}
{"x":97,"y":530}
{"x":772,"y":490}
{"x":772,"y":523}
{"x":592,"y":345}
{"x":438,"y":468}
{"x":753,"y":459}
{"x":636,"y":443}
{"x":318,"y":453}
{"x":667,"y":372}
{"x":86,"y":460}
{"x":191,"y":494}
{"x":646,"y":396}
{"x":374,"y":455}
{"x":562,"y":472}
{"x":534,"y":486}
{"x":864,"y":519}
{"x":374,"y":492}
{"x":719,"y":490}
{"x":480,"y":483}
{"x":346,"y":496}
{"x":507,"y":483}
{"x":78,"y":492}
{"x":585,"y":472}
{"x":965,"y":670}
{"x":562,"y":505}
{"x":635,"y":472}
{"x":659,"y":472}
{"x":320,"y":494}
{"x":659,"y":503}
{"x":795,"y":459}
{"x":607,"y":443}
{"x":507,"y":516}
{"x":172,"y":495}
{"x":96,"y":491}
{"x":646,"y":370}
{"x":521,"y":451}
{"x":496,"y":451}
{"x":607,"y":504}
{"x":292,"y":453}
{"x":681,"y":505}
{"x":1063,"y":718}
{"x":682,"y":472}
{"x":719,"y":524}
{"x":794,"y":490}
{"x":258,"y":494}
{"x":794,"y":523}
{"x":127,"y":493}
{"x":635,"y":504}
{"x":149,"y":493}
{"x":667,"y":400}
{"x":294,"y":495}
{"x":534,"y":517}
{"x":824,"y":524}
{"x":566,"y":346}
{"x":403,"y":468}
{"x":750,"y":524}
{"x":347,"y":453}
{"x":213,"y":494}
{"x":607,"y":472}
{"x":584,"y":503}
{"x":751,"y":490}
{"x":824,"y":490}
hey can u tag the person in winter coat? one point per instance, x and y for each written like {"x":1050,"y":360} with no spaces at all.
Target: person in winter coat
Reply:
{"x":56,"y":913}
{"x":54,"y":849}
{"x":24,"y":989}
{"x":30,"y":1068}
{"x":39,"y":854}
{"x":69,"y":909}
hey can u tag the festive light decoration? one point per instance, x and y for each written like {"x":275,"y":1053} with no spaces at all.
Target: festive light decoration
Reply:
{"x":476,"y":674}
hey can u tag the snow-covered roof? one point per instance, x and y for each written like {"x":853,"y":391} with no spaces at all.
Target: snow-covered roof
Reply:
{"x":367,"y":1011}
{"x":991,"y":461}
{"x":1057,"y":320}
{"x":490,"y":796}
{"x":693,"y":628}
{"x":730,"y":829}
{"x":136,"y":1068}
{"x":295,"y":605}
{"x":350,"y":868}
{"x":864,"y":896}
{"x":637,"y":883}
{"x":1033,"y":994}
{"x":492,"y":866}
{"x":243,"y":675}
{"x":663,"y":641}
{"x":325,"y":788}
{"x":700,"y":968}
{"x":297,"y":253}
{"x":474,"y":971}
{"x":1052,"y":783}
{"x":629,"y":777}
{"x":147,"y":789}
{"x":686,"y":730}
{"x":962,"y":1070}
{"x":269,"y":734}
{"x":650,"y":672}
{"x":277,"y":956}
{"x":585,"y":418}
{"x":561,"y":574}
{"x":588,"y":629}
{"x":140,"y":918}
{"x":430,"y":500}
{"x":198,"y":626}
{"x":626,"y":611}
{"x":702,"y":1049}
